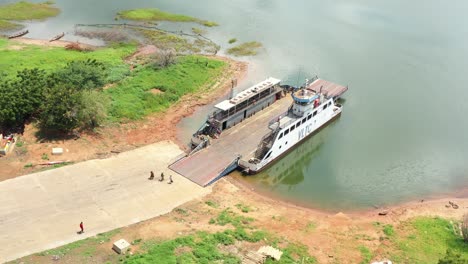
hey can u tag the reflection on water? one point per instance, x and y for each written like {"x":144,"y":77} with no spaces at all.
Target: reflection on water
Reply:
{"x":289,"y":170}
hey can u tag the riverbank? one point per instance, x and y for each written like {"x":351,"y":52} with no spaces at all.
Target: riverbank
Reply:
{"x":114,"y":138}
{"x":328,"y":237}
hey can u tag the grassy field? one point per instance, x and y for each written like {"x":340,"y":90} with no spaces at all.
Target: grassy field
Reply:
{"x":422,"y":240}
{"x":25,"y":11}
{"x":133,"y":99}
{"x":153,"y":14}
{"x":245,"y":49}
{"x":50,"y":59}
{"x":6,"y":25}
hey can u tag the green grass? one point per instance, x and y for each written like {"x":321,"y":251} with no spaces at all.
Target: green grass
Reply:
{"x":89,"y":245}
{"x":245,"y":49}
{"x":51,"y":59}
{"x":232,"y":40}
{"x":153,"y":14}
{"x":366,"y":254}
{"x":423,"y":240}
{"x":164,"y":40}
{"x":25,"y":11}
{"x":244,"y":208}
{"x":6,"y":25}
{"x":388,"y":230}
{"x":132,"y":99}
{"x":229,"y":217}
{"x":198,"y":31}
{"x":292,"y":253}
{"x":212,"y":204}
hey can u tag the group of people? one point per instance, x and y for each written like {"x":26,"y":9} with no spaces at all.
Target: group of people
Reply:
{"x":151,"y":177}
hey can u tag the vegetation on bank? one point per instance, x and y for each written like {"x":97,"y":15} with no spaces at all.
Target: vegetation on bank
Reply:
{"x":238,"y":235}
{"x":6,"y":25}
{"x":245,"y":49}
{"x":25,"y":11}
{"x":423,"y":240}
{"x":149,"y":90}
{"x":153,"y":14}
{"x":63,"y":89}
{"x":51,"y":59}
{"x":164,"y":40}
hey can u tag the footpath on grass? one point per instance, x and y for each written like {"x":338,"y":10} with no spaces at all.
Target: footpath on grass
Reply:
{"x":44,"y":210}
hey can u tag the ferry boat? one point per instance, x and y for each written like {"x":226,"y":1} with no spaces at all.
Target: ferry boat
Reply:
{"x":229,"y":138}
{"x":314,"y":105}
{"x":233,"y":111}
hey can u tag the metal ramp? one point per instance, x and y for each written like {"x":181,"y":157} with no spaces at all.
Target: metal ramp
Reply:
{"x":220,"y":157}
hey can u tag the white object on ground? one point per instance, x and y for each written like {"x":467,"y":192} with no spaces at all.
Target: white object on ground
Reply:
{"x":57,"y":151}
{"x":120,"y":246}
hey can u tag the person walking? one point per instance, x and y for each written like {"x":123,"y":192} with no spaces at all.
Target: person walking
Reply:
{"x":162,"y":177}
{"x":82,"y":228}
{"x":170,"y":180}
{"x":151,"y":176}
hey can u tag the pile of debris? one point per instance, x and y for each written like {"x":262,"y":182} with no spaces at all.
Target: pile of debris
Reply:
{"x":260,"y":256}
{"x":7,"y":143}
{"x":452,"y":204}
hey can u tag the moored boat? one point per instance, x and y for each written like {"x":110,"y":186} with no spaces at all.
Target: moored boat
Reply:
{"x":59,"y":36}
{"x":19,"y":34}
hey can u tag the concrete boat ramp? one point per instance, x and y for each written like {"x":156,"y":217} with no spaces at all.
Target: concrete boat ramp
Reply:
{"x":220,"y":157}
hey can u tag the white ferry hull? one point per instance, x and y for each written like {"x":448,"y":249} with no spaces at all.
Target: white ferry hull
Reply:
{"x":283,"y":146}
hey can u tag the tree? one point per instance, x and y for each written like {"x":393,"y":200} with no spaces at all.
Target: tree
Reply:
{"x":452,"y":257}
{"x":22,"y":97}
{"x":93,"y":109}
{"x":163,"y":59}
{"x":60,"y":109}
{"x":84,"y":75}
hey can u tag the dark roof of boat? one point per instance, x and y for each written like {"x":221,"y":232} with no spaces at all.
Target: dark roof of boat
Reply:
{"x":327,"y":88}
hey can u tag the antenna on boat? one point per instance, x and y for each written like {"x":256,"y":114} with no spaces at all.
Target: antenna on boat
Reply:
{"x":233,"y":84}
{"x":298,"y":85}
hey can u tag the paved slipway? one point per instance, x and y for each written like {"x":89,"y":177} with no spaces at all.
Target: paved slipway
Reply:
{"x":43,"y":210}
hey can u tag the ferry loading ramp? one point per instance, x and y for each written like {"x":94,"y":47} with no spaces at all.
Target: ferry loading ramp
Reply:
{"x":209,"y":164}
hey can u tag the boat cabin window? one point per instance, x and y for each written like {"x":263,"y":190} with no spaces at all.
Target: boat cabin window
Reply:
{"x":293,"y":127}
{"x":268,"y":155}
{"x":325,"y":107}
{"x":315,"y":113}
{"x":303,"y":120}
{"x":329,"y":103}
{"x":286,"y":132}
{"x":280,"y":135}
{"x":309,"y":116}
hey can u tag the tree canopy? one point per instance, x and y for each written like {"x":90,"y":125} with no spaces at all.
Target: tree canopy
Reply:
{"x":63,"y":100}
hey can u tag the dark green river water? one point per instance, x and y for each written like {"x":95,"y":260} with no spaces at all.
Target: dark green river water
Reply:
{"x":403,"y":133}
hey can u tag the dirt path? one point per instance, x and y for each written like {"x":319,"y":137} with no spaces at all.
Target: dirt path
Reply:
{"x":43,"y":210}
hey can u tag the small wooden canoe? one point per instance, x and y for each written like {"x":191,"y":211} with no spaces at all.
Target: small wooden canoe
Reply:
{"x":19,"y":34}
{"x":59,"y":36}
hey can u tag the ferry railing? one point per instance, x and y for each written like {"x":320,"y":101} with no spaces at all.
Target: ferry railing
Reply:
{"x":277,"y":118}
